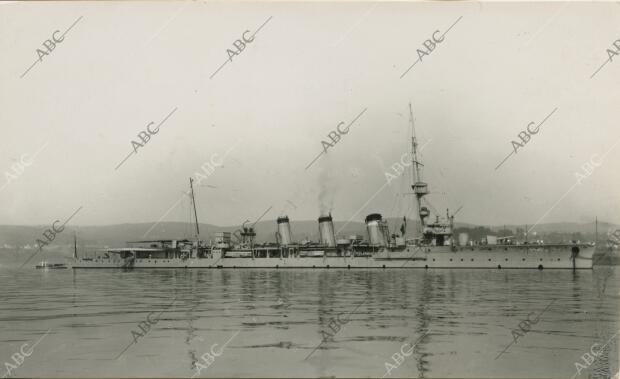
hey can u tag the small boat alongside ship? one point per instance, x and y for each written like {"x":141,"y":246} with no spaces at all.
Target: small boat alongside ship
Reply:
{"x":434,"y":247}
{"x":51,"y":266}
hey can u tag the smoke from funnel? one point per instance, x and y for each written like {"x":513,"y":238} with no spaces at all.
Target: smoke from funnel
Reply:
{"x":327,"y":188}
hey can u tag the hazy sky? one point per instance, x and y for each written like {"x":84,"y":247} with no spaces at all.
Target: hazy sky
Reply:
{"x":311,"y":67}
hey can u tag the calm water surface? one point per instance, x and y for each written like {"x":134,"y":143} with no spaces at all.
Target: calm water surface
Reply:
{"x":271,"y":320}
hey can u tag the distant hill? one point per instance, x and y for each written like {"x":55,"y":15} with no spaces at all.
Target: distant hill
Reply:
{"x":118,"y":235}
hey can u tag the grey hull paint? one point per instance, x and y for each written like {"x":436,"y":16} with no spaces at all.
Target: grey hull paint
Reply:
{"x":436,"y":257}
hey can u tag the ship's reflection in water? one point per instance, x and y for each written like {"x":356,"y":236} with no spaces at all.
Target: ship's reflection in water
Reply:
{"x":266,"y":322}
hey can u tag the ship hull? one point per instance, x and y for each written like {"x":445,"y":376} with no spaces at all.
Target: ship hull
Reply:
{"x":558,"y":257}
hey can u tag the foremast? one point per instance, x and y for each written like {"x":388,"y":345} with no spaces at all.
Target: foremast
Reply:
{"x":420,"y":188}
{"x":436,"y":233}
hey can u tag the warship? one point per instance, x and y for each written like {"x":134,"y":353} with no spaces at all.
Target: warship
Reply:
{"x":435,"y":246}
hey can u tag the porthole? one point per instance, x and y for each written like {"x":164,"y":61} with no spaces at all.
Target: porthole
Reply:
{"x":523,"y":259}
{"x":506,"y":259}
{"x":433,"y":259}
{"x":558,"y":259}
{"x":461,"y":259}
{"x":541,"y":259}
{"x":472,"y":259}
{"x":450,"y":259}
{"x":489,"y":259}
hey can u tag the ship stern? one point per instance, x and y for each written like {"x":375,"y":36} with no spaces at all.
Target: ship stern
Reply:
{"x":583,"y":256}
